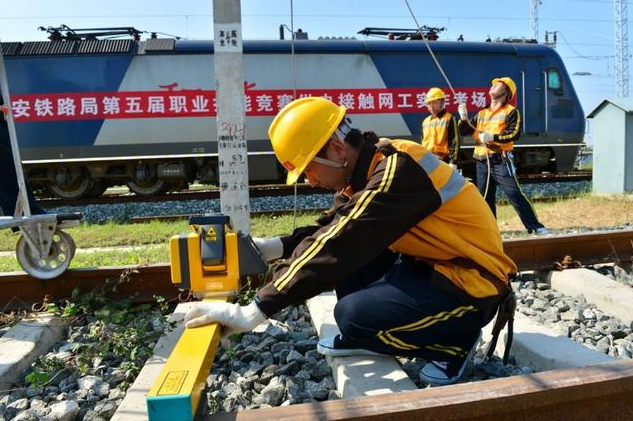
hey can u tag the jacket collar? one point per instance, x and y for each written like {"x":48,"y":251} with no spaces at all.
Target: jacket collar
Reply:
{"x":359,"y":175}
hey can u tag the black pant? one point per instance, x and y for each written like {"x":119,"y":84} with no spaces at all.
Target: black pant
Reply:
{"x":403,"y":314}
{"x":503,"y":174}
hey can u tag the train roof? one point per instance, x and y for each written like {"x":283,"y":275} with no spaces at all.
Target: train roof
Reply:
{"x":167,"y":46}
{"x":360,"y":47}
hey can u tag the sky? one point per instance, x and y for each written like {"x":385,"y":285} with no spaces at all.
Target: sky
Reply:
{"x":585,"y":27}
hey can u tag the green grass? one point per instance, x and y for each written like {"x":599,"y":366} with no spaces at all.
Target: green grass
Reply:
{"x":111,"y":234}
{"x":140,"y":256}
{"x":586,"y":211}
{"x":153,"y":234}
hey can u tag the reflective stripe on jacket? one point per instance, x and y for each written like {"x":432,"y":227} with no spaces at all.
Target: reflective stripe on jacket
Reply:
{"x":404,"y":198}
{"x":504,"y":123}
{"x":440,"y":135}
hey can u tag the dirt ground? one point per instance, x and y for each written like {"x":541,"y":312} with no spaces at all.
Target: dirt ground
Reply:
{"x":584,"y":212}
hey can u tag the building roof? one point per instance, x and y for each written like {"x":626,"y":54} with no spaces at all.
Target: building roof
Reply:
{"x":625,"y":104}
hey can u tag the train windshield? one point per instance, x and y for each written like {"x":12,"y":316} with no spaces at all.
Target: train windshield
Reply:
{"x":554,"y":81}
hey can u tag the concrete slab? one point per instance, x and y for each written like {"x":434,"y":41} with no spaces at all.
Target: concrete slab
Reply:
{"x":24,"y":342}
{"x":609,"y":296}
{"x":357,"y":376}
{"x":543,"y":349}
{"x":133,"y":407}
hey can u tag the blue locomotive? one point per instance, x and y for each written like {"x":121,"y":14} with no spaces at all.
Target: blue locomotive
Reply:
{"x":96,"y":113}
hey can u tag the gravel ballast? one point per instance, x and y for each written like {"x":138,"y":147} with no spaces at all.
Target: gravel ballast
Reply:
{"x":573,"y":317}
{"x":275,"y":365}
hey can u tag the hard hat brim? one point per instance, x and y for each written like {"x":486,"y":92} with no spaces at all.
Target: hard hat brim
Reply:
{"x":293,"y":175}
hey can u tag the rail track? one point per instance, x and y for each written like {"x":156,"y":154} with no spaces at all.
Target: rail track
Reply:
{"x":595,"y":392}
{"x":20,"y":291}
{"x":568,"y":394}
{"x":275,"y":190}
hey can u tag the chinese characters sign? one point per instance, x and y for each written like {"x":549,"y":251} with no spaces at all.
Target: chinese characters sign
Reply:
{"x":228,"y":37}
{"x":202,"y":103}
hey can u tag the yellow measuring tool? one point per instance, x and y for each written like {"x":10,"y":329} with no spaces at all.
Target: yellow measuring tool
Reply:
{"x":209,"y":262}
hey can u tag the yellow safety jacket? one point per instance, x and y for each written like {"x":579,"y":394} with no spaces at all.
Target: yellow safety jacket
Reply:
{"x":401,"y":197}
{"x":440,"y":135}
{"x":504,"y":123}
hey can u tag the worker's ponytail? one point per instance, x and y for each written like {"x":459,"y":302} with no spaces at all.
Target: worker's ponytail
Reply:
{"x":356,"y":139}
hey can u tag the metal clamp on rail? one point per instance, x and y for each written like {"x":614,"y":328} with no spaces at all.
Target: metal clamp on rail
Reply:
{"x":209,"y":262}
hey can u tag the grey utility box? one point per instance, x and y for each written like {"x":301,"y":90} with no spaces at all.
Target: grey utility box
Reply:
{"x":613,"y":146}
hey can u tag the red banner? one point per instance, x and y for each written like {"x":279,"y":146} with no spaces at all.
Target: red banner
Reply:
{"x":199,"y":103}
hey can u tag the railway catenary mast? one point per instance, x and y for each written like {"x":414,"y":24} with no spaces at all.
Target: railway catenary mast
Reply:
{"x":534,"y":19}
{"x":621,"y":10}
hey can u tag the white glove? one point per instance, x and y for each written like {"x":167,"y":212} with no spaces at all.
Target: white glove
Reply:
{"x":453,"y":166}
{"x":272,"y":248}
{"x":234,"y":317}
{"x":463,"y":111}
{"x":485,"y":137}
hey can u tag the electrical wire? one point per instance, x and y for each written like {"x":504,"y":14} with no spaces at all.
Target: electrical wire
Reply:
{"x":448,"y":82}
{"x":294,"y":96}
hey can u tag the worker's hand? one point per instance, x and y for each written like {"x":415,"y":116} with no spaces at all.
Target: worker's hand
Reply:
{"x":271,"y":248}
{"x":453,"y":166}
{"x":234,"y":317}
{"x":485,"y":137}
{"x":463,"y":111}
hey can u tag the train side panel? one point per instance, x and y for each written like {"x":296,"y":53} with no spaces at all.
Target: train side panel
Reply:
{"x":165,"y":101}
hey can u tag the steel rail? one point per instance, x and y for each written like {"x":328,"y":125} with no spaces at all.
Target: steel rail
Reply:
{"x":539,"y":253}
{"x":275,"y":190}
{"x":19,"y":291}
{"x":601,"y":391}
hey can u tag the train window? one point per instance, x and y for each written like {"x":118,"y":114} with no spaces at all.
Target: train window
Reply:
{"x":554,"y":81}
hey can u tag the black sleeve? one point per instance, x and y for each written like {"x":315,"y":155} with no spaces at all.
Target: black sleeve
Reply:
{"x":465,"y":128}
{"x":512,"y":131}
{"x":398,"y":195}
{"x":453,"y":139}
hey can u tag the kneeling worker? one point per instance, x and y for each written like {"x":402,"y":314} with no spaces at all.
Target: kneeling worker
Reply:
{"x":410,"y":247}
{"x":439,"y":130}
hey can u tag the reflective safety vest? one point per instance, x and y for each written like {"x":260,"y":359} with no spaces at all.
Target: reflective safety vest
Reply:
{"x":435,"y":134}
{"x":495,"y":122}
{"x":462,"y":229}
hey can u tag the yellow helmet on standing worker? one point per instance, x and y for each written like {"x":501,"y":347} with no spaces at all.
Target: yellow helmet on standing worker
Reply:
{"x":434,"y":94}
{"x":301,"y":129}
{"x":509,"y":83}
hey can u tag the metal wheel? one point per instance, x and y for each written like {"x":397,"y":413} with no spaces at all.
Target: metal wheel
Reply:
{"x":51,"y":266}
{"x":71,"y":183}
{"x":145,"y":182}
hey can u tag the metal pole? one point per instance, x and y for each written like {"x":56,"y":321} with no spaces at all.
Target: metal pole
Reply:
{"x":534,"y":18}
{"x":22,"y":206}
{"x":621,"y":17}
{"x":231,"y":128}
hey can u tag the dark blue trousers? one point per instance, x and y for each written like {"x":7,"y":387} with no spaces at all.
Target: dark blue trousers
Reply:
{"x":403,"y":314}
{"x":503,"y":174}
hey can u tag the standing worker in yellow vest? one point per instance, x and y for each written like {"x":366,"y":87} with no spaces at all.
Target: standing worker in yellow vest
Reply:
{"x":439,"y":130}
{"x":409,"y":245}
{"x":497,"y":128}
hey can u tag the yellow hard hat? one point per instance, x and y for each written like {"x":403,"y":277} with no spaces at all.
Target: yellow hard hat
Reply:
{"x":509,"y":82}
{"x":301,"y":129}
{"x":434,"y":93}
